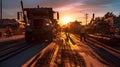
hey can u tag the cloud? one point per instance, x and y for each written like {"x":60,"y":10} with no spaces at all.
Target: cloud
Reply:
{"x":74,"y":6}
{"x":10,"y":4}
{"x":11,"y":13}
{"x":100,"y":2}
{"x":56,"y":3}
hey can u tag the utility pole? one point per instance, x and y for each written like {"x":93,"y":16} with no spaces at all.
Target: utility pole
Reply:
{"x":86,"y":17}
{"x":0,"y":9}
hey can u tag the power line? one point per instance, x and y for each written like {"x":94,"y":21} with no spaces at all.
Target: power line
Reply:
{"x":86,"y":16}
{"x":1,"y":9}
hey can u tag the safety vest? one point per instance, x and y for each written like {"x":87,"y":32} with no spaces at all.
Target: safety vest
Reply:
{"x":82,"y":30}
{"x":112,"y":30}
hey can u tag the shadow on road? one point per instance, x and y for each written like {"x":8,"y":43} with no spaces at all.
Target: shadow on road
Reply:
{"x":69,"y":38}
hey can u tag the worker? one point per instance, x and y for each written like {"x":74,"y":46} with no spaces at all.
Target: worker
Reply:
{"x":82,"y":33}
{"x":9,"y":31}
{"x":112,"y":31}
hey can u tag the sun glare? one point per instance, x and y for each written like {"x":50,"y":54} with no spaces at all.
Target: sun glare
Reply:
{"x":66,"y":20}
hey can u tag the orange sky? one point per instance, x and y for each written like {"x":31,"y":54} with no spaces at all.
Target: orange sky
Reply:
{"x":66,"y":13}
{"x":76,"y":9}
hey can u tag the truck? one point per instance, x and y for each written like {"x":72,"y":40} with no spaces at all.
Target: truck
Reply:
{"x":40,"y":23}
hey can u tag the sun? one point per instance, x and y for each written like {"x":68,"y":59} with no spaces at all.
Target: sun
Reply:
{"x":66,"y":20}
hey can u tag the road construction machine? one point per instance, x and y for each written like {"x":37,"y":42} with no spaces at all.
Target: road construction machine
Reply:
{"x":40,"y":23}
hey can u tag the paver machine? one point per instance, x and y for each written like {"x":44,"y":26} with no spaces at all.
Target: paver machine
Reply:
{"x":40,"y":24}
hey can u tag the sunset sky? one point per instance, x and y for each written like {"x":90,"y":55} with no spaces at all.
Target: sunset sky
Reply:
{"x":74,"y":9}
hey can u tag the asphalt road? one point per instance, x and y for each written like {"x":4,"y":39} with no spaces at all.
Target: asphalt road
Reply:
{"x":65,"y":51}
{"x":71,"y":52}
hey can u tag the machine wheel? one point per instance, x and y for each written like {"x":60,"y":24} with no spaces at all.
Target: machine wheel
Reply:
{"x":50,"y":38}
{"x":28,"y":36}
